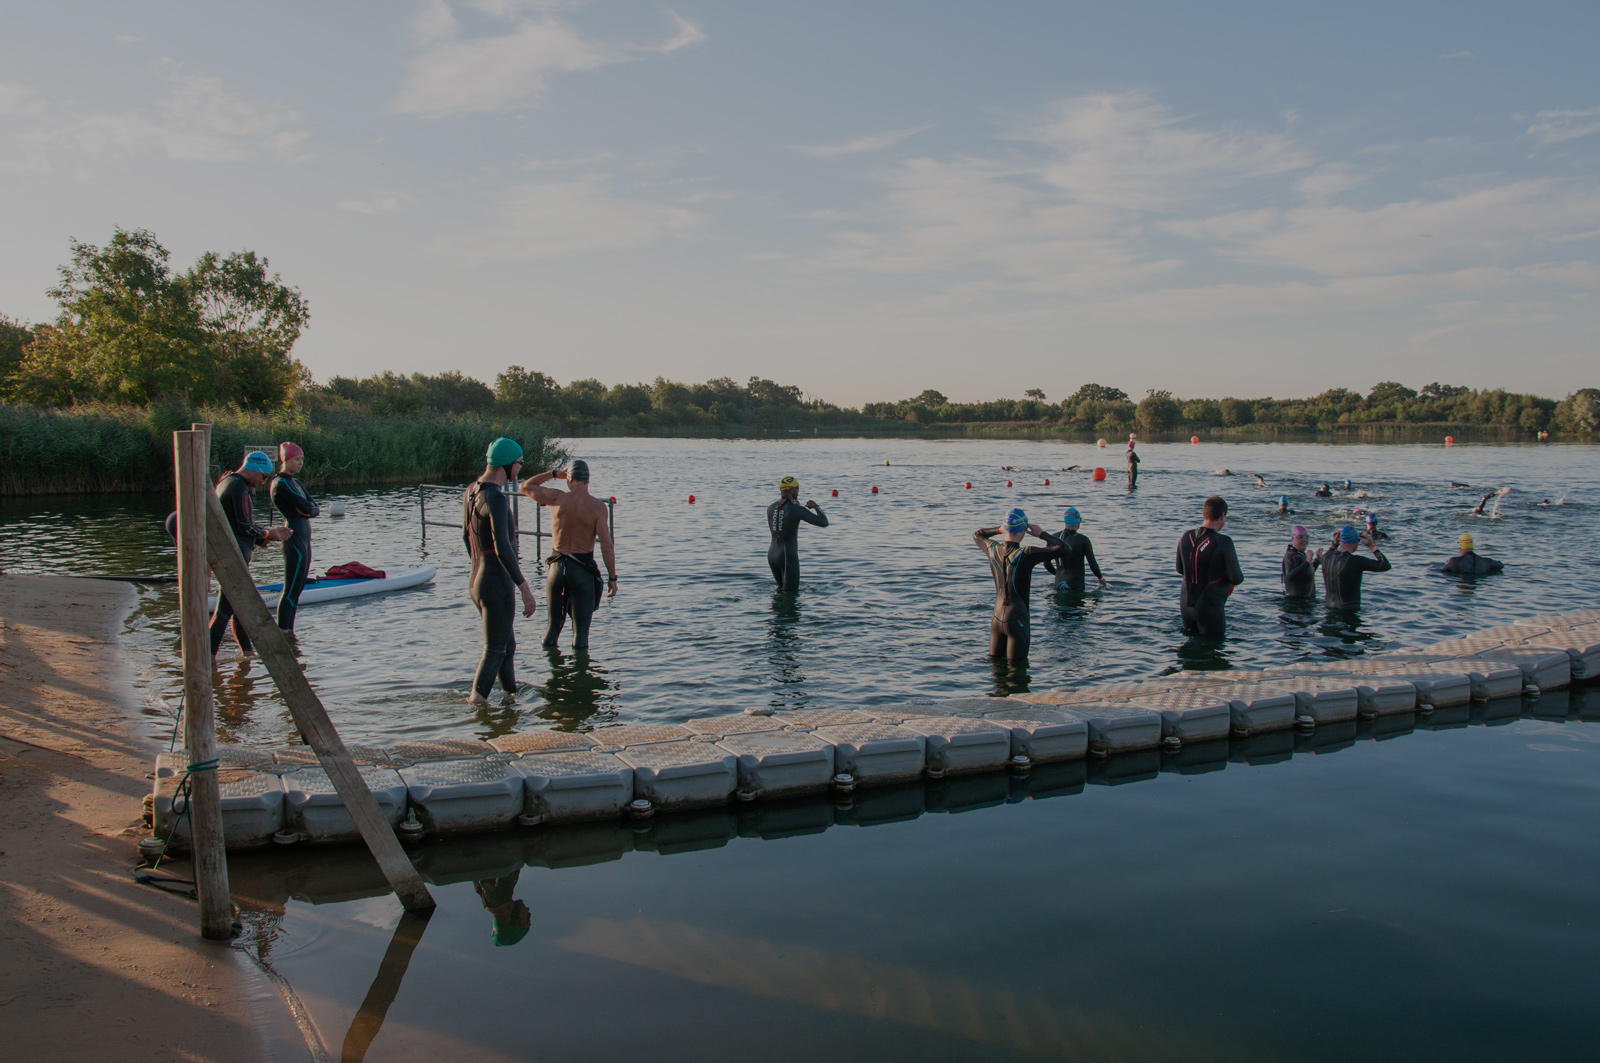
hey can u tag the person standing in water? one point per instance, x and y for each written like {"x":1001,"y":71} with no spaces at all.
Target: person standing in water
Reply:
{"x":233,"y":491}
{"x":1468,"y":563}
{"x":1210,"y":569}
{"x":297,"y":507}
{"x":1298,"y":565}
{"x":783,"y":521}
{"x":1133,"y":467}
{"x":1012,"y":564}
{"x":1342,"y":568}
{"x":1068,"y":569}
{"x":1283,"y":506}
{"x":572,"y":582}
{"x":487,"y":530}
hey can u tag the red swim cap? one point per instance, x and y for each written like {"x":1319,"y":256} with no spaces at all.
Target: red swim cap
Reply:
{"x":289,"y":450}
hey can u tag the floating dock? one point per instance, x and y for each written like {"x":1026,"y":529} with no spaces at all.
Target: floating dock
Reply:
{"x":990,"y":749}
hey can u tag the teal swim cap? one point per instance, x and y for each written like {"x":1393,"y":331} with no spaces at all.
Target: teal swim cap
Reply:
{"x":1016,"y":521}
{"x":1071,"y":518}
{"x":1348,"y":534}
{"x":257,"y":461}
{"x":506,"y":933}
{"x":1283,"y":500}
{"x":502,"y":451}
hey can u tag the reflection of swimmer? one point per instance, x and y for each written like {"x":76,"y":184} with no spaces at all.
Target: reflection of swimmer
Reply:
{"x":1210,"y":569}
{"x":1298,"y":565}
{"x":511,"y":916}
{"x":1283,"y":506}
{"x":783,"y":521}
{"x":1342,"y":568}
{"x":1012,"y":564}
{"x":1324,"y":492}
{"x":1068,"y":569}
{"x":1468,"y":563}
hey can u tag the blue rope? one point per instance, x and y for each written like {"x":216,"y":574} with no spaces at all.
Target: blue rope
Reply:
{"x":179,"y":814}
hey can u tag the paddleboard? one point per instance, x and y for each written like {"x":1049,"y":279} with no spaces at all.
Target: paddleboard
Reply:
{"x":396,"y":578}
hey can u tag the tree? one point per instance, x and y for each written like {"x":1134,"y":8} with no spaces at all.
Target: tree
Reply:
{"x":250,"y":321}
{"x":1389,"y":392}
{"x":1094,"y":393}
{"x":1202,"y":412}
{"x":1236,"y":412}
{"x":1035,"y":394}
{"x":930,"y":398}
{"x":14,"y":339}
{"x":1157,"y":411}
{"x":1579,"y":412}
{"x":1437,"y":390}
{"x":529,"y":393}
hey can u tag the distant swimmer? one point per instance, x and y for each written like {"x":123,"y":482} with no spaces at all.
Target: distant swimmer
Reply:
{"x":572,"y":579}
{"x":1133,"y":467}
{"x":486,"y":529}
{"x":1283,"y":506}
{"x":1298,"y":565}
{"x":233,"y":491}
{"x":1455,"y":484}
{"x":1484,"y":501}
{"x":1348,"y":486}
{"x":1372,"y":527}
{"x":1068,"y":569}
{"x":1260,"y":482}
{"x":297,"y":507}
{"x":1210,"y":569}
{"x":1467,"y":563}
{"x":1543,"y":503}
{"x":1323,"y":492}
{"x":1012,"y":564}
{"x":783,"y":521}
{"x":1222,"y":472}
{"x":1342,"y":568}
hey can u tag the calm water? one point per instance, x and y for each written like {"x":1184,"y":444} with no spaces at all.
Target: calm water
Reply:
{"x":895,"y":598}
{"x":1435,"y":896}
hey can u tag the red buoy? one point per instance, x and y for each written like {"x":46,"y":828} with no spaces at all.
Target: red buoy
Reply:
{"x":969,"y":485}
{"x":613,"y":500}
{"x":835,"y":492}
{"x":1194,"y":439}
{"x":1047,"y":481}
{"x":874,"y":488}
{"x":1008,"y":483}
{"x":691,"y":500}
{"x":1099,"y":473}
{"x":1449,"y":441}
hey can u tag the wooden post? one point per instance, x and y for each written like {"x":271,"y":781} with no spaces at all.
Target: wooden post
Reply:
{"x":199,"y":731}
{"x":385,"y":986}
{"x":233,"y":580}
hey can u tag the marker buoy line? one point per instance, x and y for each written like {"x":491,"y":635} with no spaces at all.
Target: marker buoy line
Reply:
{"x":835,"y":492}
{"x":691,"y":500}
{"x":874,"y":488}
{"x":1099,"y":473}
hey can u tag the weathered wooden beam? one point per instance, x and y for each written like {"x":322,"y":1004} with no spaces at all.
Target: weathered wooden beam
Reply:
{"x":209,"y":848}
{"x":233,"y":580}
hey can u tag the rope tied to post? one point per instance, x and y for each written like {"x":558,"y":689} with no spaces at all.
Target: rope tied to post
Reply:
{"x":181,"y":801}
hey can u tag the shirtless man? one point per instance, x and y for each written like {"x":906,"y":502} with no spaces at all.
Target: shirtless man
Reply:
{"x":572,"y":582}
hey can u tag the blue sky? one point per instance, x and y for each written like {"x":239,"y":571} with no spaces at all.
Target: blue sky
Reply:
{"x":864,"y":199}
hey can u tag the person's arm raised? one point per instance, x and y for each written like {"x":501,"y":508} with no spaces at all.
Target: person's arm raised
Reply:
{"x":533,"y":487}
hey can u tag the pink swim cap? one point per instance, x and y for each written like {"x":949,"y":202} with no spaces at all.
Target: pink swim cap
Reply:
{"x":289,"y":450}
{"x":1300,"y":532}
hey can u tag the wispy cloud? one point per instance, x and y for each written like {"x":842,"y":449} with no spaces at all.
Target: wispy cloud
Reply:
{"x":1550,"y":127}
{"x":555,"y":218}
{"x":870,"y":142}
{"x":453,"y":74}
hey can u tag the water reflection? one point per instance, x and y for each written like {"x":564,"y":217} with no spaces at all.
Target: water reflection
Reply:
{"x":783,"y":651}
{"x":1010,"y":677}
{"x":577,"y":691}
{"x":510,"y":917}
{"x":385,"y":986}
{"x":1343,"y":636}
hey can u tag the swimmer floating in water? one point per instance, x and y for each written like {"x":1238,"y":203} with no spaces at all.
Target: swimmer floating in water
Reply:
{"x":1455,"y":484}
{"x":1485,"y":499}
{"x":1323,"y":492}
{"x":1283,"y":506}
{"x":1260,"y":482}
{"x":1467,"y":563}
{"x":1372,"y":527}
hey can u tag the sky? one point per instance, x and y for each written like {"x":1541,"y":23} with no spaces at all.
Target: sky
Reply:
{"x":862,"y":198}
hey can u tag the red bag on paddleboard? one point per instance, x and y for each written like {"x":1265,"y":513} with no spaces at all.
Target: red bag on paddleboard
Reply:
{"x":352,"y":570}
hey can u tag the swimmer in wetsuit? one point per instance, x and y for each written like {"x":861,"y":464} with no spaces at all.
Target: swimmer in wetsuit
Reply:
{"x":1068,"y":569}
{"x":1323,"y":492}
{"x":297,"y":507}
{"x":1342,"y":568}
{"x":572,"y":582}
{"x":1012,"y":564}
{"x":1468,"y":563}
{"x":1133,"y":467}
{"x":1283,"y":506}
{"x":783,"y":521}
{"x":486,"y":528}
{"x":1298,"y":565}
{"x":1210,"y":569}
{"x":233,"y":491}
{"x":1372,"y":527}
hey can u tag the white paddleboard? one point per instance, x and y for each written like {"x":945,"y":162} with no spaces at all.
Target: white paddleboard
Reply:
{"x":395,"y":578}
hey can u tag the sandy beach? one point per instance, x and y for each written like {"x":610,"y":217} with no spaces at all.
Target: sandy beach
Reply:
{"x":93,"y":965}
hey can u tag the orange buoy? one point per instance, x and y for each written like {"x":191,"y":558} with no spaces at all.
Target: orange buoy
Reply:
{"x":1194,"y":439}
{"x":1101,"y":443}
{"x":1047,"y":482}
{"x":1449,"y":441}
{"x":1008,"y":483}
{"x":874,"y":488}
{"x":1099,"y":473}
{"x":969,"y":485}
{"x":835,"y":492}
{"x":691,"y":500}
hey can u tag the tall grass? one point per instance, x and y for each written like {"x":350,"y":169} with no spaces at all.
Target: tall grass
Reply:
{"x":125,"y":448}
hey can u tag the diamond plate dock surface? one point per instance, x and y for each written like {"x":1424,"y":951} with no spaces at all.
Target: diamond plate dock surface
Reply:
{"x":541,"y":742}
{"x":737,"y":723}
{"x":612,"y":739}
{"x":816,"y":718}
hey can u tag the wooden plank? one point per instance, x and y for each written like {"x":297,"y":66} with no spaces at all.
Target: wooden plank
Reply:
{"x":210,"y":856}
{"x":233,"y":580}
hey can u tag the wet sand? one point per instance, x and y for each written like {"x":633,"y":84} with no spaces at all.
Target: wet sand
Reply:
{"x":94,"y":966}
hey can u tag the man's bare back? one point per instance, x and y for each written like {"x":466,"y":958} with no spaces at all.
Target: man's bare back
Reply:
{"x":577,"y":518}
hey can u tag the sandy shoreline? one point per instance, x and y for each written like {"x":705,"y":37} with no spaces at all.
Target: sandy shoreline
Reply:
{"x":93,"y":965}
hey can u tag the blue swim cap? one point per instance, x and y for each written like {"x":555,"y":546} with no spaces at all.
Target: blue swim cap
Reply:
{"x":1348,"y":534}
{"x":1348,"y":485}
{"x":1071,"y":518}
{"x":1283,"y":500}
{"x":1372,"y":520}
{"x":1016,"y":521}
{"x":257,"y":461}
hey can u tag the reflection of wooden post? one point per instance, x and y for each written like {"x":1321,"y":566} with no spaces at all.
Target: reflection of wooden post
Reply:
{"x":233,"y":580}
{"x":199,"y":733}
{"x":385,"y":986}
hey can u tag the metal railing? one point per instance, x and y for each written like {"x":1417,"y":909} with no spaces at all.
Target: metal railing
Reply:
{"x":517,"y":531}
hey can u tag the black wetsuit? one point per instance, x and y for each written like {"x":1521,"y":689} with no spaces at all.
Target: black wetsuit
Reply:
{"x":234,"y":494}
{"x":486,"y":529}
{"x":572,"y":587}
{"x":1323,"y":492}
{"x":1068,"y":568}
{"x":1133,"y":468}
{"x":1471,"y":564}
{"x":1341,"y":576}
{"x":297,"y":507}
{"x":783,"y":520}
{"x":1297,"y":569}
{"x":1012,"y":565}
{"x":1210,"y":569}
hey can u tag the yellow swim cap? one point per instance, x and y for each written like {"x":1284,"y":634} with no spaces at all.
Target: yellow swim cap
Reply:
{"x":788,"y":481}
{"x":1465,"y":542}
